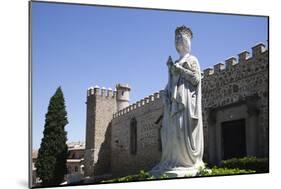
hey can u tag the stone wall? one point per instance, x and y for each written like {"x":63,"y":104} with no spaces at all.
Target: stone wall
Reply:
{"x":101,"y":104}
{"x":235,"y":90}
{"x":227,"y":89}
{"x":146,"y":112}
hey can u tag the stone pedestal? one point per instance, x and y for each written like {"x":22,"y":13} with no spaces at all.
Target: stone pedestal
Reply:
{"x":177,"y":171}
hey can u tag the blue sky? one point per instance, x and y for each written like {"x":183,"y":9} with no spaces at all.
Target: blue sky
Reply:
{"x":75,"y":47}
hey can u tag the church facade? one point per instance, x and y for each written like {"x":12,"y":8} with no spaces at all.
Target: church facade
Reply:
{"x":123,"y":138}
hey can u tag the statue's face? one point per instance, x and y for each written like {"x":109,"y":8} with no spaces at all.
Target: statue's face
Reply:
{"x":183,"y":44}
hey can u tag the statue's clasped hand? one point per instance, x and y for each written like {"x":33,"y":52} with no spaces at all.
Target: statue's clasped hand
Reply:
{"x":175,"y":68}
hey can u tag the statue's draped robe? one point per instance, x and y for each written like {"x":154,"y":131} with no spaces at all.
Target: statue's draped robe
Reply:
{"x":182,"y":128}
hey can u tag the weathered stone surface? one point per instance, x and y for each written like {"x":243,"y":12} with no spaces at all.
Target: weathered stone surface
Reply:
{"x":100,"y":109}
{"x":148,"y":139}
{"x":240,"y":91}
{"x":235,"y":86}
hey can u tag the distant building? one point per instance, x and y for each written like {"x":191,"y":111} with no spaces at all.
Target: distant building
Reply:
{"x":74,"y":163}
{"x":35,"y":179}
{"x":75,"y":166}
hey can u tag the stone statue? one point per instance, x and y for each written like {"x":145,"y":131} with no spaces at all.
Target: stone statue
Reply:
{"x":182,"y":127}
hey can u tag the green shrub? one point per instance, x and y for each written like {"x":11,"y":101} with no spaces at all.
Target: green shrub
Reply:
{"x":139,"y":177}
{"x":216,"y":171}
{"x":203,"y":172}
{"x":260,"y":165}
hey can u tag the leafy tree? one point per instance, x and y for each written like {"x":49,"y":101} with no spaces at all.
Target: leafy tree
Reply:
{"x":52,"y":155}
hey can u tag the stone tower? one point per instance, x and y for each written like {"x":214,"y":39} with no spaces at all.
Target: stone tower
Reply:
{"x":123,"y":96}
{"x":101,"y":104}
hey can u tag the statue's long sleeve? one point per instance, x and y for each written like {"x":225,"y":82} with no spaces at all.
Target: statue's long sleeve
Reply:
{"x":182,"y":126}
{"x":191,"y":74}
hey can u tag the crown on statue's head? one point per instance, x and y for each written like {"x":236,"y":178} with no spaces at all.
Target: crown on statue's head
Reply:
{"x":183,"y":30}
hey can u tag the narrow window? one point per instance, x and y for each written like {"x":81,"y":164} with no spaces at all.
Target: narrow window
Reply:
{"x":76,"y":169}
{"x":133,"y":136}
{"x":73,"y":156}
{"x":159,"y":139}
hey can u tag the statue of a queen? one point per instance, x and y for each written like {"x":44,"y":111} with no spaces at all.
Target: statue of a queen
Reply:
{"x":182,"y":127}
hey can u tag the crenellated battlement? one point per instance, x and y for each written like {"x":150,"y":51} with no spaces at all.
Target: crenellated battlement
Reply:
{"x":243,"y":58}
{"x":103,"y":92}
{"x":139,"y":104}
{"x":220,"y":73}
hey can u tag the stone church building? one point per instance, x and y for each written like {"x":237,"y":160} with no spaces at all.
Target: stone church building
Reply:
{"x":123,"y":138}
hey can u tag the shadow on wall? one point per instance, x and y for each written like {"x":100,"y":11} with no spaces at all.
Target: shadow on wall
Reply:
{"x":102,"y":166}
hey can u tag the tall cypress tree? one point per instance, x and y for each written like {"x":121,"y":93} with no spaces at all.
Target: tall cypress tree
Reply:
{"x":52,"y":155}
